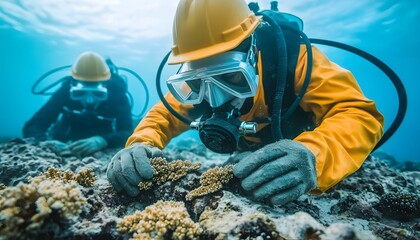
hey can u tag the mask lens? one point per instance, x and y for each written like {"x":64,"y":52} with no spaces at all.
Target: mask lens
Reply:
{"x":188,"y":91}
{"x":235,"y":81}
{"x":78,"y":94}
{"x":81,"y":92}
{"x":100,"y":95}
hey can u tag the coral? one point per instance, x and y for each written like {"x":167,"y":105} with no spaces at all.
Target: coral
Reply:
{"x":85,"y":177}
{"x":53,"y":173}
{"x":400,"y":205}
{"x":25,"y":208}
{"x":164,"y":171}
{"x":227,"y":214}
{"x":162,"y":220}
{"x":211,"y":181}
{"x":68,"y":176}
{"x":2,"y":186}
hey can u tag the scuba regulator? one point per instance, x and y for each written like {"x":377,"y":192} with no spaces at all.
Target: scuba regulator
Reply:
{"x":221,"y":131}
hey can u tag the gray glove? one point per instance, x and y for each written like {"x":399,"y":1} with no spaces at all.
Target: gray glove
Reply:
{"x":58,"y":146}
{"x":279,"y":172}
{"x":88,"y":146}
{"x":130,"y":166}
{"x":236,"y":157}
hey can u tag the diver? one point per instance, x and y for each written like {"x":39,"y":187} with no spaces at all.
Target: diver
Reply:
{"x":237,"y":84}
{"x":89,"y":112}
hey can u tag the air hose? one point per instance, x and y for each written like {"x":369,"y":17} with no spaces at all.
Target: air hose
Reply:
{"x":399,"y":87}
{"x":159,"y":90}
{"x":39,"y":80}
{"x":281,"y":76}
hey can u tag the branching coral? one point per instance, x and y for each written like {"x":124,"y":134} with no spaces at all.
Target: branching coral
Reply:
{"x":85,"y":177}
{"x":164,"y":171}
{"x":162,"y":220}
{"x":25,"y":208}
{"x":211,"y":181}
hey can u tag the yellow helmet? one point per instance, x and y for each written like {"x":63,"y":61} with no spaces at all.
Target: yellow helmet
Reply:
{"x":90,"y":67}
{"x":203,"y":28}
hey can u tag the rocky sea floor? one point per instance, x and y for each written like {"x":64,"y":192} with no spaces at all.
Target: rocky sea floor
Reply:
{"x":376,"y":202}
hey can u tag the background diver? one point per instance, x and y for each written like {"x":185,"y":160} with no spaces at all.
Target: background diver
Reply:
{"x":238,"y":79}
{"x":88,"y":113}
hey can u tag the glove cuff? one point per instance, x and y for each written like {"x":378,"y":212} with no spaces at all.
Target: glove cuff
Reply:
{"x":102,"y":143}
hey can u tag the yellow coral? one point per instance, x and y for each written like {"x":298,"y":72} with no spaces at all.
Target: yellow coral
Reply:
{"x":68,"y":176}
{"x":86,"y":177}
{"x":24,"y":208}
{"x":164,"y":171}
{"x":160,"y":220}
{"x":53,"y":173}
{"x":211,"y":181}
{"x":145,"y":185}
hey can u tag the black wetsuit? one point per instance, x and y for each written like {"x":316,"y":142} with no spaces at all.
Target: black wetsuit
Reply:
{"x":60,"y":117}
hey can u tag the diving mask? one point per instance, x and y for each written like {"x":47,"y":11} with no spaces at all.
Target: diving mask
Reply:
{"x":217,"y":79}
{"x":90,"y":94}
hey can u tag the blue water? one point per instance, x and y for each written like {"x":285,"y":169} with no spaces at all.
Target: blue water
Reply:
{"x":37,"y":36}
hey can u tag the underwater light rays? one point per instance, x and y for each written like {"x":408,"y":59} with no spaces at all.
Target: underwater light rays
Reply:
{"x":96,"y":20}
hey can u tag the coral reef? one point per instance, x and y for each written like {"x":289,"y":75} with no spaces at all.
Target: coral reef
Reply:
{"x":162,"y":220}
{"x":25,"y":208}
{"x":24,"y":158}
{"x":350,"y":210}
{"x":212,"y":181}
{"x":20,"y":158}
{"x":164,"y":171}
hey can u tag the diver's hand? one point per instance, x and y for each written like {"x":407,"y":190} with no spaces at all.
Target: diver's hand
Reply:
{"x":130,"y":166}
{"x":279,"y":172}
{"x":236,"y":157}
{"x":88,"y":145}
{"x":58,"y":146}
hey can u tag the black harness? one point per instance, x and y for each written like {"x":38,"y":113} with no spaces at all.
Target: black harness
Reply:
{"x":299,"y":121}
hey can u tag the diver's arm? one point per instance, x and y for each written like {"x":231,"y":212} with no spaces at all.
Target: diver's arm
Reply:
{"x":38,"y":125}
{"x":124,"y":123}
{"x":160,"y":126}
{"x":348,"y":124}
